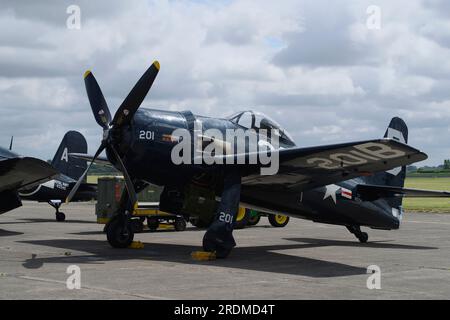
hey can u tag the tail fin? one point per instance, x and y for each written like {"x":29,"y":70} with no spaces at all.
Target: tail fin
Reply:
{"x":73,"y":142}
{"x":397,"y":130}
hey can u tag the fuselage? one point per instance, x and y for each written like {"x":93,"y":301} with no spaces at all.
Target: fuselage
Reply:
{"x":58,"y":189}
{"x":147,"y":149}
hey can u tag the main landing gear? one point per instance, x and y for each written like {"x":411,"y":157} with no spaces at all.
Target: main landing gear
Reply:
{"x":120,"y":230}
{"x":60,"y":216}
{"x":361,"y":236}
{"x":219,"y":236}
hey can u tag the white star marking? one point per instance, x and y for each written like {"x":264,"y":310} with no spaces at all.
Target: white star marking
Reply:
{"x":331,"y":192}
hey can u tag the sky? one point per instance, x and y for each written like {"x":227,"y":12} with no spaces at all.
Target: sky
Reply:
{"x":319,"y":68}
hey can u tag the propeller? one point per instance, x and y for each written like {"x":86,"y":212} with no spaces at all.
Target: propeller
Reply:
{"x":122,"y":118}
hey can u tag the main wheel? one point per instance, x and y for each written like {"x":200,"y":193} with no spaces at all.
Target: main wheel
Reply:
{"x":254,"y":219}
{"x":278,"y":220}
{"x":211,"y":246}
{"x":241,"y":219}
{"x":60,"y":216}
{"x":152,"y":223}
{"x":118,"y":234}
{"x":180,"y":224}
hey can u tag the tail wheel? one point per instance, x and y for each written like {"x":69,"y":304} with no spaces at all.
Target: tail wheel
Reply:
{"x":60,"y":216}
{"x":242,"y":219}
{"x":278,"y":220}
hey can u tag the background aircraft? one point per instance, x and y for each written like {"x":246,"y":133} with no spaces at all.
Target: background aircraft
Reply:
{"x":70,"y":170}
{"x":17,"y":172}
{"x":319,"y":183}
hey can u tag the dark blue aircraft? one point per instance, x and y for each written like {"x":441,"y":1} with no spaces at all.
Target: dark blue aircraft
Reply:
{"x":350,"y":184}
{"x":18,"y":172}
{"x":70,"y":170}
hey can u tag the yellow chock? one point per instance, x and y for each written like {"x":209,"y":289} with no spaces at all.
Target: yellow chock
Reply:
{"x":136,"y":245}
{"x":203,"y":255}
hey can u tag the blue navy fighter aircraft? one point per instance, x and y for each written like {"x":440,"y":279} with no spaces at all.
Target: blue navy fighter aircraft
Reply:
{"x":351,"y":184}
{"x":18,"y":172}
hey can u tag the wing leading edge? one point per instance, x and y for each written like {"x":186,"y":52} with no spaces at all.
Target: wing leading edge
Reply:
{"x":307,"y":168}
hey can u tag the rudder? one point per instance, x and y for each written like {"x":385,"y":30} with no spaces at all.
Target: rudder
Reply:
{"x":72,"y":142}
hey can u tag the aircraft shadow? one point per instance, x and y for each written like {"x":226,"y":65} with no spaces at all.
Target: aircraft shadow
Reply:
{"x":6,"y":233}
{"x":38,"y":220}
{"x":261,"y":258}
{"x":382,"y":244}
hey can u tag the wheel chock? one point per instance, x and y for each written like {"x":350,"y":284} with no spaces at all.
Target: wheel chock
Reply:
{"x":136,"y":245}
{"x":203,"y":255}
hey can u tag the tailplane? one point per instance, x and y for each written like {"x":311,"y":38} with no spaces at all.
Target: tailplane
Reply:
{"x":73,"y":142}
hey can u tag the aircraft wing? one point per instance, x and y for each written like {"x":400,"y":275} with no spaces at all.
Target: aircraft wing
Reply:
{"x":18,"y":172}
{"x":100,"y":159}
{"x":307,"y":168}
{"x":372,"y":192}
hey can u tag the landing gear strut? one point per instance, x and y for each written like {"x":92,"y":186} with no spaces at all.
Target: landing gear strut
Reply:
{"x":219,"y":237}
{"x":120,"y":230}
{"x":60,"y":216}
{"x":361,"y":236}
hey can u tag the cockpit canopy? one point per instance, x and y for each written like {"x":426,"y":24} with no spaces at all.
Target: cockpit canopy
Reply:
{"x":257,"y":121}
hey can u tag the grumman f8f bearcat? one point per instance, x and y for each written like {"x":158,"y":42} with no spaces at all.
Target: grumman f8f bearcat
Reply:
{"x":350,"y":184}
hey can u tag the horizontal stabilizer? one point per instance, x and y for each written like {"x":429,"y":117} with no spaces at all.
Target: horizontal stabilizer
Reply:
{"x":99,"y":160}
{"x":369,"y":192}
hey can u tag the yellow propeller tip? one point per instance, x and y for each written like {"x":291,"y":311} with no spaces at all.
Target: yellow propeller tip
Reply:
{"x":87,"y":73}
{"x":156,"y":64}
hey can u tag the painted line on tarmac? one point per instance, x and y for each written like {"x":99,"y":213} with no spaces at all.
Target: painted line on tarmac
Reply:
{"x":95,"y":288}
{"x":429,"y":222}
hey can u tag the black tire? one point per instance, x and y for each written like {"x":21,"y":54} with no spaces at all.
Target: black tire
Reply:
{"x":254,"y":220}
{"x":180,"y":224}
{"x":152,"y":223}
{"x":242,"y":219}
{"x":363,"y":237}
{"x":278,"y":221}
{"x":119,"y":235}
{"x":137,"y":225}
{"x":210,"y":246}
{"x":60,"y":216}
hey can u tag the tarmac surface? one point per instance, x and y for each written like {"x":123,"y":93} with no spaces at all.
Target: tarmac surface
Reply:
{"x":304,"y":260}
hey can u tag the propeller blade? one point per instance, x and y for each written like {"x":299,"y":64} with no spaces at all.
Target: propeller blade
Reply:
{"x":80,"y":180}
{"x":128,"y":183}
{"x":134,"y":99}
{"x":11,"y":143}
{"x":97,"y":100}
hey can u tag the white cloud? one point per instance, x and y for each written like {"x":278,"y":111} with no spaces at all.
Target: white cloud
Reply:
{"x":313,"y":66}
